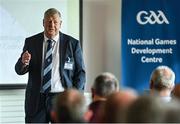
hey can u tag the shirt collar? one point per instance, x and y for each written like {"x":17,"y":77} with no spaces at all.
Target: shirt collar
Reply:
{"x":166,"y":98}
{"x":56,"y":38}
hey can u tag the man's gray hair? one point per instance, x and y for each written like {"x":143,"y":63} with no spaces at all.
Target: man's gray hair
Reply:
{"x":163,"y":76}
{"x":105,"y":84}
{"x":51,"y":12}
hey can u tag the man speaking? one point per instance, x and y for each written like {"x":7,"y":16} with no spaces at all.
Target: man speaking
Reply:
{"x":54,"y":61}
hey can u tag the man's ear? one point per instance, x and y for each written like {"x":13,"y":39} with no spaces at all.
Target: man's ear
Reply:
{"x":60,"y":23}
{"x":151,"y":84}
{"x":88,"y":115}
{"x":172,"y":87}
{"x":92,"y":92}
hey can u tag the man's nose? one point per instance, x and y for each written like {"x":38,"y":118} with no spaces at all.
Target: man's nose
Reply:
{"x":51,"y":23}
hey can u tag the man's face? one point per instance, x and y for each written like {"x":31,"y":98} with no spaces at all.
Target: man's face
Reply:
{"x":52,"y":25}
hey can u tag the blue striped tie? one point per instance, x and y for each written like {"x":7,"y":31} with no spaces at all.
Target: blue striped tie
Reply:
{"x":46,"y":86}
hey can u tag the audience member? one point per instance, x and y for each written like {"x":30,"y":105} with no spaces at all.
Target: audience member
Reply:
{"x":172,"y":113}
{"x":69,"y":106}
{"x":146,"y":109}
{"x":104,"y":84}
{"x":116,"y":106}
{"x":162,"y":82}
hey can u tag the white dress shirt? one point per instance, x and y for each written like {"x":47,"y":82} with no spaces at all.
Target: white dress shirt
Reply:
{"x":56,"y":85}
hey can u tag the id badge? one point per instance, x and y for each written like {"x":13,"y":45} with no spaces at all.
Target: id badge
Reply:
{"x":68,"y":65}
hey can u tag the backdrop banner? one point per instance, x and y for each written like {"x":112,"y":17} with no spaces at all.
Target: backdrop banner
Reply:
{"x":150,"y":37}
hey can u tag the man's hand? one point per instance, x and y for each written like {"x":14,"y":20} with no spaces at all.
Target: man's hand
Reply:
{"x":26,"y":57}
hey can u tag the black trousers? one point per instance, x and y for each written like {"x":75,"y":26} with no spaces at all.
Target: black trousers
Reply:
{"x":43,"y":114}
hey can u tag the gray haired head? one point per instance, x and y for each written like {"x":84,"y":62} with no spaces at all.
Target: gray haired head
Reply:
{"x":162,"y":77}
{"x":105,"y":84}
{"x":51,"y":12}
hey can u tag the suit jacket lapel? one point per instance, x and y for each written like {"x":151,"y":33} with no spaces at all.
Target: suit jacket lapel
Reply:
{"x":62,"y":51}
{"x":40,"y":47}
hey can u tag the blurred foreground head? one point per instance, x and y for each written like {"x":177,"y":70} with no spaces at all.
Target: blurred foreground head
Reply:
{"x":116,"y":105}
{"x":69,"y":106}
{"x":146,"y":109}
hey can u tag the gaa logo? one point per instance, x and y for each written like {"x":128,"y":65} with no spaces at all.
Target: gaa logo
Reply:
{"x":144,"y":17}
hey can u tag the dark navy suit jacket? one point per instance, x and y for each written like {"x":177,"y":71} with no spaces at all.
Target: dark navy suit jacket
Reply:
{"x":74,"y":78}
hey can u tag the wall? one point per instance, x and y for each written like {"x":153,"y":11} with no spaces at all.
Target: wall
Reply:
{"x":101,"y":38}
{"x":73,"y":23}
{"x":12,"y":106}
